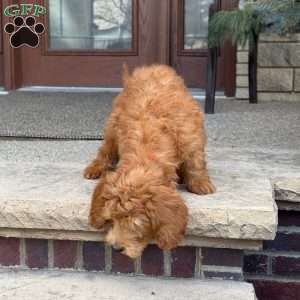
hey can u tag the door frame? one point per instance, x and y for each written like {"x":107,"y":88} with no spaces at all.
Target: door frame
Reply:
{"x":192,"y":64}
{"x":1,"y":49}
{"x":10,"y":56}
{"x":230,"y":53}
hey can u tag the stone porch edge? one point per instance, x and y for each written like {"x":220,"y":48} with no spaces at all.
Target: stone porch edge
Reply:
{"x":287,"y":189}
{"x":55,"y":198}
{"x":99,"y":237}
{"x":244,"y":224}
{"x":35,"y":220}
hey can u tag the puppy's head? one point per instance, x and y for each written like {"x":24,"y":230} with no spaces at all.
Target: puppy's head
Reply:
{"x":140,"y":213}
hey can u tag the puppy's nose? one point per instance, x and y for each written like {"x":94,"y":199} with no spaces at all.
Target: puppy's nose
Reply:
{"x":118,"y":248}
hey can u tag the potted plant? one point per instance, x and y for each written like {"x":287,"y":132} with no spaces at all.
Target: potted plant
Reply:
{"x":244,"y":25}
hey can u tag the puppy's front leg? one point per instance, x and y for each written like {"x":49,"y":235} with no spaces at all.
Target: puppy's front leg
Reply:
{"x":107,"y":156}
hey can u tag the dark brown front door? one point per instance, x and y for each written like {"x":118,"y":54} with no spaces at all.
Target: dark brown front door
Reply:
{"x":87,"y":42}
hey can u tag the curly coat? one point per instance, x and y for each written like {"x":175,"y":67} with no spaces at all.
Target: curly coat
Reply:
{"x":154,"y":137}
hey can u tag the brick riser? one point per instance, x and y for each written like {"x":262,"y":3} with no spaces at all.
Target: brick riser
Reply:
{"x":275,"y":271}
{"x":184,"y":262}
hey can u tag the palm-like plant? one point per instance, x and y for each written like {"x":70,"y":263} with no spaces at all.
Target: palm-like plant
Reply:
{"x":244,"y":25}
{"x":239,"y":26}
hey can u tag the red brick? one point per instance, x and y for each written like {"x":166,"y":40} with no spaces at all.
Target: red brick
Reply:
{"x":153,"y":261}
{"x":222,"y":257}
{"x":284,"y":241}
{"x":65,"y":254}
{"x":272,"y":290}
{"x":288,"y":218}
{"x":183,"y":261}
{"x":282,"y":265}
{"x":36,"y":253}
{"x":93,"y":256}
{"x":9,"y":251}
{"x":256,"y":264}
{"x":121,"y":263}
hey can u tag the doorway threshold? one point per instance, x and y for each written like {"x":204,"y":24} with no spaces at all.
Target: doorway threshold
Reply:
{"x":199,"y":94}
{"x":70,"y":89}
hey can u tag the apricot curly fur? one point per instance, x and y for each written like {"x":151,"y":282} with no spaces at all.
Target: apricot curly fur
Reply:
{"x":154,"y":138}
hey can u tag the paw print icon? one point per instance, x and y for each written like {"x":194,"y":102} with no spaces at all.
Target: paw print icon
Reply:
{"x":24,"y":32}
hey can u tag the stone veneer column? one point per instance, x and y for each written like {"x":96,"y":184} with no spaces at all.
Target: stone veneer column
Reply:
{"x":278,"y":69}
{"x":242,"y":84}
{"x":242,"y":78}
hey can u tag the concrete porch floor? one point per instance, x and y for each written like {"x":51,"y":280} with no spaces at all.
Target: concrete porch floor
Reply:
{"x":266,"y":134}
{"x":54,"y":285}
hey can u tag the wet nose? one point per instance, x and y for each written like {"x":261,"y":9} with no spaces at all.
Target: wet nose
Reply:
{"x":118,"y":248}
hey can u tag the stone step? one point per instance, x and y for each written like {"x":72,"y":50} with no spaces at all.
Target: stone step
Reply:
{"x":47,"y":198}
{"x":287,"y":192}
{"x":28,"y":285}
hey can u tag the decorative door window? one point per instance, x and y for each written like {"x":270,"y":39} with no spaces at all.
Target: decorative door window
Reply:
{"x":90,"y":24}
{"x":196,"y":14}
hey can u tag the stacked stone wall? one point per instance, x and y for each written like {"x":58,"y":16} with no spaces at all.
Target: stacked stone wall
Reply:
{"x":278,"y":69}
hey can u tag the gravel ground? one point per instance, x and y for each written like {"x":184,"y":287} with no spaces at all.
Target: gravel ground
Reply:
{"x":273,"y":125}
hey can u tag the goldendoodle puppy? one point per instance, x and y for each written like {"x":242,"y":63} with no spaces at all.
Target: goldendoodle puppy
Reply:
{"x":155,"y":134}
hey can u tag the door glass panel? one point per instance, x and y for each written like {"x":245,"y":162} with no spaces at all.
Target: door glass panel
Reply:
{"x":90,"y":24}
{"x":196,"y":13}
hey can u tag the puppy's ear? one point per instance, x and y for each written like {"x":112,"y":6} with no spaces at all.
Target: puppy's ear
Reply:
{"x":96,"y":218}
{"x":126,"y":74}
{"x":169,"y":217}
{"x":103,"y":202}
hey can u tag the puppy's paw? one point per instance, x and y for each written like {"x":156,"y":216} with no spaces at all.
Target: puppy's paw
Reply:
{"x":92,"y":172}
{"x":202,"y":187}
{"x":97,"y":222}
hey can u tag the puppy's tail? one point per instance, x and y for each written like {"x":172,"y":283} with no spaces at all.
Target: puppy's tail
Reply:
{"x":126,"y":74}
